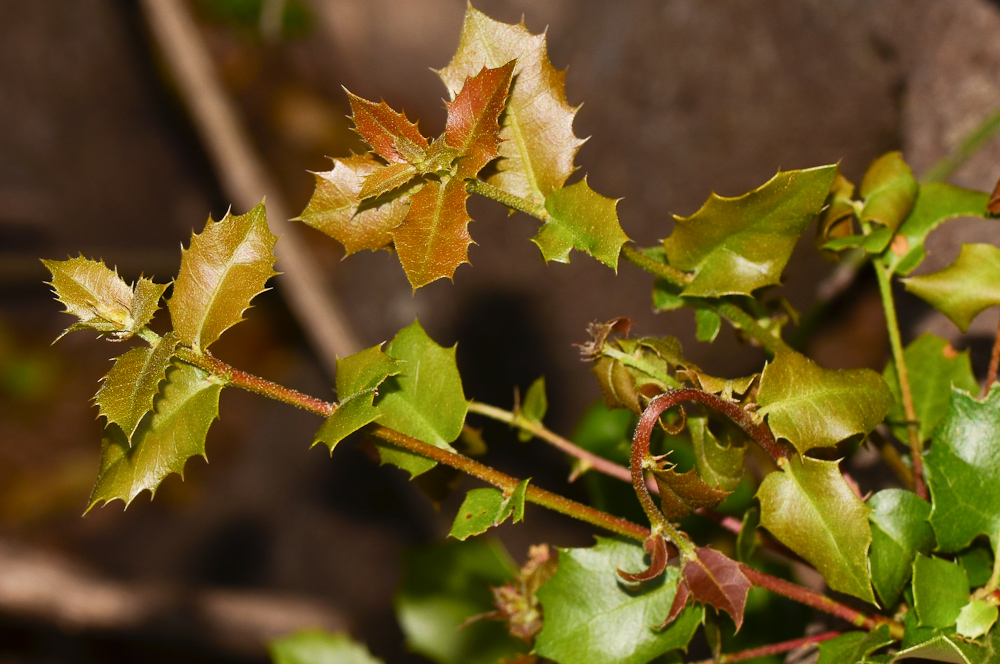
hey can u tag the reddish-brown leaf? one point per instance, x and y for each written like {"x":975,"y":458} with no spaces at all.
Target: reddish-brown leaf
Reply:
{"x":334,"y":207}
{"x":391,"y":135}
{"x":715,"y":579}
{"x":680,"y":601}
{"x":656,"y":547}
{"x":434,"y":238}
{"x":473,"y":128}
{"x":682,"y":493}
{"x":993,"y":205}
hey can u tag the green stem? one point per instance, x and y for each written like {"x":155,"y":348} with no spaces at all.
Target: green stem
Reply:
{"x":895,"y":342}
{"x":506,"y":198}
{"x":656,"y":268}
{"x":968,"y":147}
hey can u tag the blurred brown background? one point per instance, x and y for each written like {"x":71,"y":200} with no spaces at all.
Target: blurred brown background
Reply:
{"x":99,"y":155}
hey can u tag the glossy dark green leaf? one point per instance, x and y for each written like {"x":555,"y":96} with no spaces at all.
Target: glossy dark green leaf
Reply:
{"x":225,"y":267}
{"x":736,"y":245}
{"x":889,"y":191}
{"x":809,"y":507}
{"x":534,"y":406}
{"x":940,"y":590}
{"x":963,"y":472}
{"x":899,"y":532}
{"x":947,"y":648}
{"x":591,"y":616}
{"x":934,"y":367}
{"x":977,"y":561}
{"x":965,"y":288}
{"x":127,"y":392}
{"x":358,"y":379}
{"x":425,"y":400}
{"x":580,"y":218}
{"x":443,"y":586}
{"x":810,"y":406}
{"x":538,"y":146}
{"x":318,"y":647}
{"x":185,"y":407}
{"x":720,"y":466}
{"x":936,"y":203}
{"x":853,"y":647}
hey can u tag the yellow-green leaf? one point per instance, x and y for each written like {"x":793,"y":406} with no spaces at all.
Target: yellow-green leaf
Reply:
{"x":889,"y":191}
{"x":127,"y":392}
{"x":808,"y":506}
{"x":965,"y":288}
{"x":736,"y":245}
{"x":337,"y":210}
{"x":223,"y":269}
{"x":184,"y":409}
{"x":580,"y":218}
{"x":318,"y":647}
{"x":385,"y":179}
{"x":538,"y":145}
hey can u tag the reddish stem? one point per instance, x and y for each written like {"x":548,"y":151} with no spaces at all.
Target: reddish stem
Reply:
{"x":773,"y":649}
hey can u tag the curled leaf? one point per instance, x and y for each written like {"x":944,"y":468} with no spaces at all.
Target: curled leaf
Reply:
{"x":889,"y":191}
{"x":656,"y":546}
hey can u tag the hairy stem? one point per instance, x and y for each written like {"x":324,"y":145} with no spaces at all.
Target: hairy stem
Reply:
{"x":916,"y":446}
{"x":823,"y":603}
{"x":656,"y":268}
{"x":506,"y":198}
{"x":773,"y":649}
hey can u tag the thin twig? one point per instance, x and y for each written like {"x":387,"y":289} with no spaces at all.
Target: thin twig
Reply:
{"x":773,"y":649}
{"x":245,"y":178}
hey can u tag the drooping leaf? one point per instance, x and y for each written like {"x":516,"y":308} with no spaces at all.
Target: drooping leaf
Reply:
{"x":127,"y":392}
{"x":965,"y":288}
{"x":434,"y":239}
{"x":736,"y":245}
{"x":934,"y":367}
{"x":837,"y":219}
{"x":533,"y":407}
{"x":809,"y":507}
{"x":682,"y":493}
{"x":318,"y":647}
{"x":936,"y":203}
{"x":717,"y":580}
{"x":963,"y":472}
{"x":810,"y":406}
{"x":485,"y":508}
{"x":385,"y":179}
{"x":184,"y":409}
{"x":889,"y":191}
{"x":580,"y":218}
{"x":853,"y":647}
{"x":940,"y":590}
{"x":899,"y":532}
{"x":425,"y":400}
{"x":591,"y":616}
{"x":718,"y":466}
{"x":335,"y":207}
{"x":443,"y":586}
{"x":100,"y":299}
{"x":225,"y":267}
{"x":391,"y":135}
{"x":538,"y":145}
{"x":473,"y":128}
{"x":358,"y":379}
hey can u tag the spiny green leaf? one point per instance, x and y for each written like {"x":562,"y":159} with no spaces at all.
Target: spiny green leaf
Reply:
{"x":936,"y":203}
{"x":591,"y":617}
{"x":485,"y":508}
{"x":582,"y":219}
{"x":934,"y":367}
{"x":385,"y":179}
{"x":533,"y":407}
{"x":963,"y":472}
{"x":434,"y":239}
{"x":473,"y":129}
{"x":810,"y":406}
{"x":808,"y":506}
{"x":391,"y":135}
{"x":718,"y":466}
{"x":538,"y":145}
{"x":425,"y":400}
{"x":889,"y":191}
{"x":318,"y":647}
{"x":358,"y":378}
{"x":225,"y":267}
{"x":965,"y":288}
{"x":940,"y":590}
{"x":443,"y":586}
{"x":100,"y":299}
{"x":736,"y":245}
{"x":976,"y":618}
{"x":336,"y":208}
{"x":184,"y":409}
{"x":127,"y":392}
{"x":899,"y":532}
{"x":853,"y":647}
